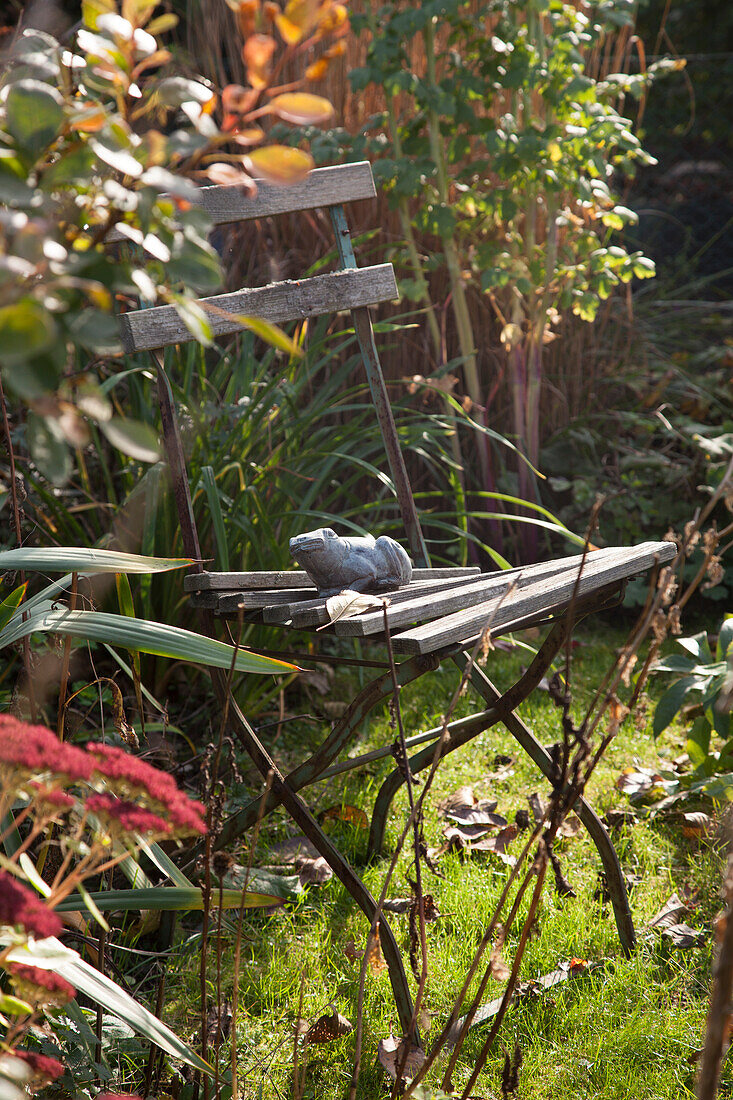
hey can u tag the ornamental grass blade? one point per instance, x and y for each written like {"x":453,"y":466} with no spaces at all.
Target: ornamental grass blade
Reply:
{"x":65,"y":559}
{"x":50,"y":954}
{"x":144,"y":636}
{"x":165,"y":899}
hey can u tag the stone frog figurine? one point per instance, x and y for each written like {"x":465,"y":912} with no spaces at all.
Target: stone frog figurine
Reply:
{"x":361,"y":564}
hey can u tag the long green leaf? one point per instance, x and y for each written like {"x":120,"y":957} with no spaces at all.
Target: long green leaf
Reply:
{"x":62,"y":559}
{"x":50,"y":954}
{"x":142,"y":635}
{"x":208,"y":481}
{"x":11,"y":604}
{"x":165,"y":899}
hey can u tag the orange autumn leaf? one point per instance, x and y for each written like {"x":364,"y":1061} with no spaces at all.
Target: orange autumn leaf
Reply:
{"x":237,"y":100}
{"x":299,"y":17}
{"x":317,"y":70}
{"x":247,"y":17}
{"x":257,"y":54}
{"x":302,"y":108}
{"x":280,"y":164}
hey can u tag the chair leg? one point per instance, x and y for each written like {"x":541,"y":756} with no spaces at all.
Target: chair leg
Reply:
{"x":594,"y":825}
{"x":311,"y":769}
{"x":302,"y":816}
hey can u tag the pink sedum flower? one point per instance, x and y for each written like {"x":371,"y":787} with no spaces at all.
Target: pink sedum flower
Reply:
{"x":39,"y":986}
{"x":127,"y":816}
{"x":26,"y":749}
{"x":42,"y":1067}
{"x":133,"y":779}
{"x":21,"y":908}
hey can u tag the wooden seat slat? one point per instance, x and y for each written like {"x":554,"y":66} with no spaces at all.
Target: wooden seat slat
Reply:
{"x":297,"y":578}
{"x":291,"y":300}
{"x":424,"y":606}
{"x":311,"y":613}
{"x":545,"y":596}
{"x":331,"y":186}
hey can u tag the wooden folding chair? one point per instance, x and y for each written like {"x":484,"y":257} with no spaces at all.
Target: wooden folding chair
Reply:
{"x":438,"y":616}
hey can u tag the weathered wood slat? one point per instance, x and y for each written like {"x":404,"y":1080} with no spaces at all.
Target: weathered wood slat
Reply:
{"x":322,"y":187}
{"x":238,"y":582}
{"x":544,"y":596}
{"x":297,"y":578}
{"x":309,"y":613}
{"x":227,"y":603}
{"x":425,"y":606}
{"x":291,"y":300}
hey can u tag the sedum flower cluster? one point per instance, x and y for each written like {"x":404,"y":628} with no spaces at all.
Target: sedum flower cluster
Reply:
{"x":93,"y":806}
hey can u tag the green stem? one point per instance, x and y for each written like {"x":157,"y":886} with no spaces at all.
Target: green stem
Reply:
{"x":412,"y":250}
{"x":464,"y":327}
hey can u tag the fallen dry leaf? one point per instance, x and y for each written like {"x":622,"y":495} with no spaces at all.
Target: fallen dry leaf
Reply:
{"x":352,"y":815}
{"x":391,"y":1051}
{"x":375,"y":959}
{"x":614,"y":819}
{"x":352,"y":952}
{"x":499,"y":842}
{"x":348,"y":604}
{"x":683,"y":936}
{"x":695,"y":823}
{"x":570,"y":826}
{"x":642,"y":784}
{"x":461,"y":799}
{"x":287,"y":851}
{"x":480,"y":814}
{"x":327,"y":1028}
{"x":669,"y":914}
{"x":313,"y":872}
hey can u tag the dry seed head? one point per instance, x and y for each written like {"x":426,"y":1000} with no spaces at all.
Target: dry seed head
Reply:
{"x":673,"y":619}
{"x":628,"y":663}
{"x":692,"y":535}
{"x":659,"y":626}
{"x":715,"y":573}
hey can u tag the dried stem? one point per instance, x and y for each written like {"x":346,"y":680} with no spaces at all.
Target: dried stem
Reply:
{"x":717,"y":1033}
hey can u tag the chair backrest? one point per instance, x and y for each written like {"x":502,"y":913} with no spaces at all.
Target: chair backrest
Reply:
{"x":350,"y":288}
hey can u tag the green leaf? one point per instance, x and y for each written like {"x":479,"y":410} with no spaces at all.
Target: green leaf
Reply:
{"x":725,"y":637}
{"x":165,"y":899}
{"x":34,"y":114}
{"x":50,"y":954}
{"x":14,"y":1006}
{"x":671,"y":702}
{"x":145,"y":636}
{"x":11,"y":604}
{"x":270,"y":333}
{"x":132,"y":437}
{"x":697,"y":746}
{"x":208,"y":481}
{"x":697,"y":645}
{"x":194,"y":318}
{"x":65,"y":559}
{"x":48,"y":449}
{"x":26,"y":330}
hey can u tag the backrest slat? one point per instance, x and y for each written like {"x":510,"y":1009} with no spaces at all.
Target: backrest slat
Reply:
{"x":321,"y":187}
{"x":293,"y":300}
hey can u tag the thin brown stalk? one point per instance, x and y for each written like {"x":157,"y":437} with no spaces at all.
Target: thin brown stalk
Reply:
{"x":15,"y":504}
{"x":511,"y":984}
{"x":717,"y":1032}
{"x":238,"y":939}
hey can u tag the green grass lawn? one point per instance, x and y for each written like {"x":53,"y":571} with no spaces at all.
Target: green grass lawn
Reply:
{"x":627,"y":1027}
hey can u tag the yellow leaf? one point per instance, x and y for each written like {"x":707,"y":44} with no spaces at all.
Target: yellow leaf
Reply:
{"x":297,"y":19}
{"x":317,"y":70}
{"x":281,"y":164}
{"x":302,"y":108}
{"x":555,"y":152}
